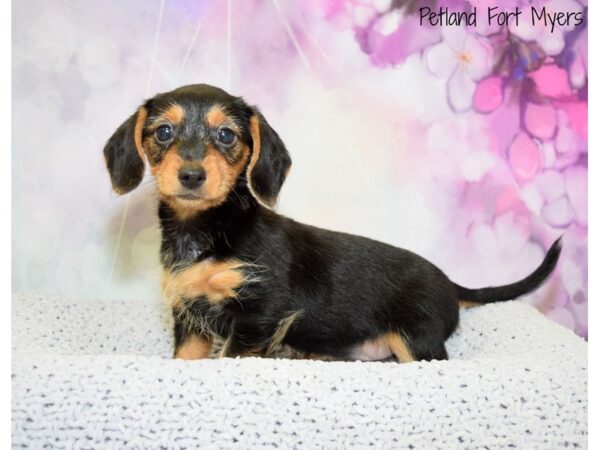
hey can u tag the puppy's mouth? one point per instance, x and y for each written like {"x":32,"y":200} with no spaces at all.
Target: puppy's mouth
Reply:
{"x":189,"y":196}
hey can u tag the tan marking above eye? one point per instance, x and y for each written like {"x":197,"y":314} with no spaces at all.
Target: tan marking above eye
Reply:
{"x":222,"y":172}
{"x":174,"y":114}
{"x":214,"y":280}
{"x":215,"y":117}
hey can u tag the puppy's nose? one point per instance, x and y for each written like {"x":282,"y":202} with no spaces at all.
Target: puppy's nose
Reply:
{"x":192,"y":178}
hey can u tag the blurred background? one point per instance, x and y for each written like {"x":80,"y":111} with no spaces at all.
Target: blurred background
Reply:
{"x":467,"y":146}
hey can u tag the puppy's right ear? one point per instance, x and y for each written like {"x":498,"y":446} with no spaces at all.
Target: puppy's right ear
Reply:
{"x":124,"y":154}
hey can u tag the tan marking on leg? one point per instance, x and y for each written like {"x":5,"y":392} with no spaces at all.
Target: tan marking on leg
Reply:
{"x":194,"y":348}
{"x":468,"y":304}
{"x":282,"y":328}
{"x":142,"y":115}
{"x":175,"y":114}
{"x":215,"y":116}
{"x":216,"y":281}
{"x":398,"y":347}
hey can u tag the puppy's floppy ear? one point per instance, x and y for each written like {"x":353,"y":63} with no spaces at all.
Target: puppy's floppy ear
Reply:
{"x":269,"y":163}
{"x":124,"y":154}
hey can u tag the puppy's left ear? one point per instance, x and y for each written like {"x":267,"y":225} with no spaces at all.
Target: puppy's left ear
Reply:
{"x":124,"y":154}
{"x":270,"y":161}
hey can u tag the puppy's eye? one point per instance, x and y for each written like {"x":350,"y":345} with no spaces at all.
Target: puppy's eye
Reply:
{"x":225,"y":136}
{"x":164,"y":133}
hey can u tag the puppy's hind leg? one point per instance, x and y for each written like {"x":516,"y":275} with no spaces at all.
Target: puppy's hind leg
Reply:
{"x":428,"y":348}
{"x":415,"y":349}
{"x":398,"y":347}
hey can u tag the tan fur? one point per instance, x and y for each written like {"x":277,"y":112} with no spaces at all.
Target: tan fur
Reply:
{"x":220,"y":179}
{"x":195,"y":348}
{"x":175,"y":114}
{"x":215,"y":117}
{"x":398,"y":347}
{"x":221,"y":175}
{"x":142,"y":115}
{"x":467,"y":304}
{"x":255,"y":132}
{"x":215,"y":281}
{"x":167,"y":172}
{"x":281,"y":331}
{"x":186,"y":209}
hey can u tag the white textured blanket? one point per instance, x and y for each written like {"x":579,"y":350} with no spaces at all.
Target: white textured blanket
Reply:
{"x":99,"y":375}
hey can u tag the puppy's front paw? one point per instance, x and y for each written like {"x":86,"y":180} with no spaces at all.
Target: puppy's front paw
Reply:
{"x":194,"y":348}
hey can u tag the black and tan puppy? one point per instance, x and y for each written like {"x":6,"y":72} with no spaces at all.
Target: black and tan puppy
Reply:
{"x":234,"y":268}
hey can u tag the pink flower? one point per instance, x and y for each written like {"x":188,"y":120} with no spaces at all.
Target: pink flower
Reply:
{"x":525,"y":157}
{"x":540,"y":120}
{"x":463,"y":59}
{"x":552,"y":81}
{"x":489,"y":95}
{"x":570,"y":143}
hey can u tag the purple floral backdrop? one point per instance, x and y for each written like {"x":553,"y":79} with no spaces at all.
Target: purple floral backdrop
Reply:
{"x":529,"y":85}
{"x":467,"y":145}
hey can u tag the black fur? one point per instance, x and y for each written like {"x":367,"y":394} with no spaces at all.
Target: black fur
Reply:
{"x":123,"y":162}
{"x":527,"y":284}
{"x":346,"y":289}
{"x":271,"y":169}
{"x":351,"y":289}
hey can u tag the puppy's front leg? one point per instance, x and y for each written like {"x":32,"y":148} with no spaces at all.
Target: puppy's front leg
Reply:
{"x":242,"y":344}
{"x":188,"y":344}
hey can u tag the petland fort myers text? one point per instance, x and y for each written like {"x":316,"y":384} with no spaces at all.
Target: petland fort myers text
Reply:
{"x":494,"y":15}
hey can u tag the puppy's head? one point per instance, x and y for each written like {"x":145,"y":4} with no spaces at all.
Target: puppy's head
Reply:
{"x":200,"y":143}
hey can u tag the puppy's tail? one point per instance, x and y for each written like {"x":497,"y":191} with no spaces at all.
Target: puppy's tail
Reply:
{"x":514,"y":290}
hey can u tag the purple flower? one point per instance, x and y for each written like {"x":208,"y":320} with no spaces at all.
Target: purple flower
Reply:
{"x":462,"y":59}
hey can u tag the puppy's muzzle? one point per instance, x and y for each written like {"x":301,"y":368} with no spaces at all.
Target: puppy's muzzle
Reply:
{"x":192,"y":178}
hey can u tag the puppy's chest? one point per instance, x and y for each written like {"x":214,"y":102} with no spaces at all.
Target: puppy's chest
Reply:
{"x":215,"y":281}
{"x":183,"y":249}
